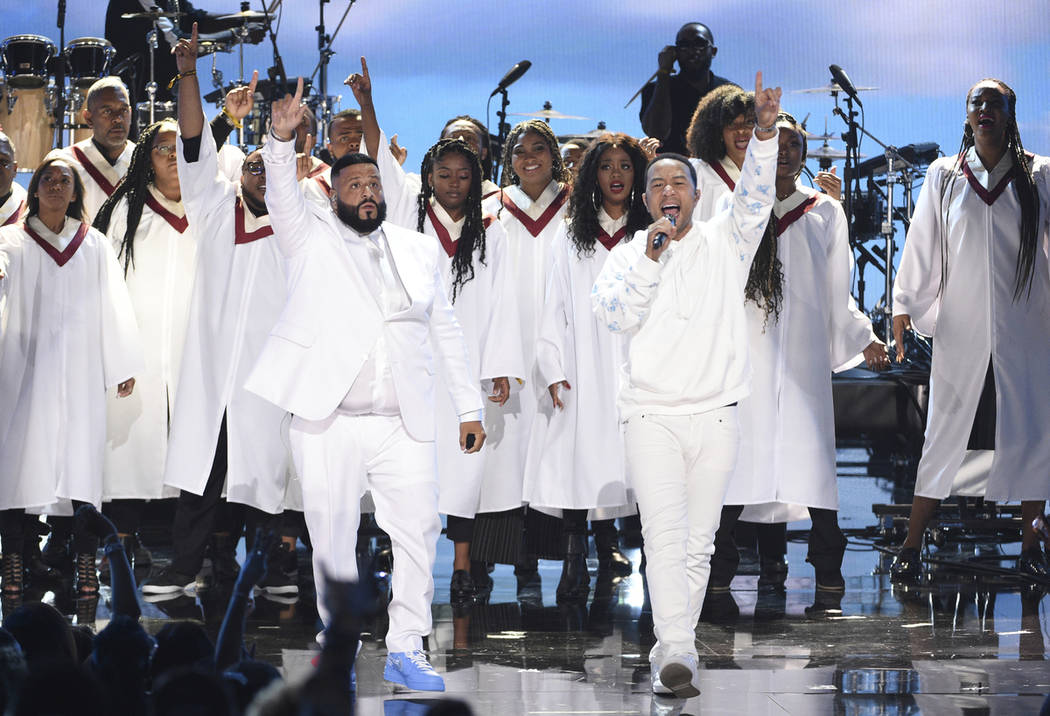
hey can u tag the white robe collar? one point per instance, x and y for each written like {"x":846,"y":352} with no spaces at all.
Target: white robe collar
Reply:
{"x":60,"y":240}
{"x":534,"y":209}
{"x":610,"y":225}
{"x":454,"y":228}
{"x":988,"y":179}
{"x":783,"y":206}
{"x":731,"y":168}
{"x":175,"y":207}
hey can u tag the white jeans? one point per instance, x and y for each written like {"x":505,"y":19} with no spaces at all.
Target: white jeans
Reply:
{"x":680,"y":467}
{"x":340,"y":458}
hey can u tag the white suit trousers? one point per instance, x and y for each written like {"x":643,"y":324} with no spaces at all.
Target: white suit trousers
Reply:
{"x":340,"y":458}
{"x":680,"y":467}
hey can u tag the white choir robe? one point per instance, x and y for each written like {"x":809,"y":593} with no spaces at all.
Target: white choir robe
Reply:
{"x":238,"y":296}
{"x":14,"y":209}
{"x":230,"y":160}
{"x":487,"y":311}
{"x":976,"y":316}
{"x":160,"y":283}
{"x":67,"y":333}
{"x":576,"y":458}
{"x":99,"y":177}
{"x":317,"y":186}
{"x":787,"y":423}
{"x":530,"y":227}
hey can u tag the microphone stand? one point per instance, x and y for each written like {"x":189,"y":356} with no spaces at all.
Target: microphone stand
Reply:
{"x":324,"y":47}
{"x":504,"y":127}
{"x":60,"y":80}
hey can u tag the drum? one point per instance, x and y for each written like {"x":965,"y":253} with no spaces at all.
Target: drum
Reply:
{"x":161,"y":110}
{"x":25,"y":59}
{"x":77,"y":103}
{"x":26,"y":118}
{"x":87,"y":60}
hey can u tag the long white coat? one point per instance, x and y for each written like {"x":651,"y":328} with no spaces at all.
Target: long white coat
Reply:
{"x":99,"y":177}
{"x":12,"y":210}
{"x":787,"y":423}
{"x":487,"y":310}
{"x":67,"y":333}
{"x":576,"y":458}
{"x":161,"y":284}
{"x":530,"y":227}
{"x":237,"y":298}
{"x":974,"y":317}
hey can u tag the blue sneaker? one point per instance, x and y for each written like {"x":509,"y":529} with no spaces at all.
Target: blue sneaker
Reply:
{"x":412,"y":670}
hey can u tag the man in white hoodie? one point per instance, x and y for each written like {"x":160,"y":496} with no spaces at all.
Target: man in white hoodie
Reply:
{"x":680,"y":300}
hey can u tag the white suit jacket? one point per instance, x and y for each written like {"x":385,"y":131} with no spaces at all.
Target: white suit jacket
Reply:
{"x":331,"y":321}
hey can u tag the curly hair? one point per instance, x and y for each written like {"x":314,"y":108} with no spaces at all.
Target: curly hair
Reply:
{"x":1024,"y":186}
{"x":716,"y":111}
{"x":75,"y":210}
{"x":586,"y":197}
{"x":483,"y":141}
{"x":558,"y":171}
{"x":473,"y":235}
{"x":135,"y":186}
{"x":765,"y":280}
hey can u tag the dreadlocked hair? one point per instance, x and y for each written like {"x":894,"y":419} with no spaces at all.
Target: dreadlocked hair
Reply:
{"x":716,"y":111}
{"x":586,"y":198}
{"x":558,"y":171}
{"x":483,"y":138}
{"x":765,"y":281}
{"x":473,"y":235}
{"x":1024,"y":185}
{"x":135,"y":186}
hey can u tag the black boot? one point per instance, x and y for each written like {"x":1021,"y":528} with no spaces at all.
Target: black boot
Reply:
{"x":36,"y":567}
{"x":530,"y":589}
{"x":13,"y":574}
{"x":86,"y":576}
{"x":607,"y":545}
{"x":224,"y":558}
{"x":137,"y":552}
{"x":575,"y":581}
{"x":773,"y":572}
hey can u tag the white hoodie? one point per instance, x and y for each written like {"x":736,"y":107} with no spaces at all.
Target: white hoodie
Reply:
{"x":685,"y":313}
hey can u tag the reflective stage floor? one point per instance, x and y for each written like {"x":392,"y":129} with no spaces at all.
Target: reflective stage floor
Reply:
{"x":968,"y":643}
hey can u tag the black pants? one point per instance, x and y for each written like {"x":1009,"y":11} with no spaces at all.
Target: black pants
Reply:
{"x":827,"y":544}
{"x":459,"y":529}
{"x":15,"y":530}
{"x":198,"y":516}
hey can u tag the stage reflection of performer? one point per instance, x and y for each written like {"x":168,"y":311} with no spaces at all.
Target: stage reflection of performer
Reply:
{"x":474,"y":263}
{"x":680,"y":300}
{"x":352,"y":358}
{"x":974,"y":275}
{"x":575,"y":459}
{"x":68,"y":334}
{"x":803,"y":325}
{"x":668,"y":102}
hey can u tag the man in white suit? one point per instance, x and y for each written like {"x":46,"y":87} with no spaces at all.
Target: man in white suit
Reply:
{"x":352,"y":358}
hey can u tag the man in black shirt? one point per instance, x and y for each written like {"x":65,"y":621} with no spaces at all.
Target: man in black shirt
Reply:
{"x":668,"y":102}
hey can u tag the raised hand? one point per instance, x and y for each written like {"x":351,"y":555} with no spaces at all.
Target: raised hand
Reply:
{"x":830,"y":183}
{"x":767,"y":103}
{"x":360,"y":83}
{"x":399,"y":152}
{"x":649,"y":147}
{"x":240,"y":100}
{"x":304,"y":161}
{"x":287,"y":112}
{"x":90,"y":520}
{"x":254,"y":568}
{"x":185,"y":52}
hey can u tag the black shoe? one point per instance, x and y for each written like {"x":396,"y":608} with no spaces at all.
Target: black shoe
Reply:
{"x":13,"y":574}
{"x":168,"y":581}
{"x":86,"y":575}
{"x":224,"y":558}
{"x":277,"y":582}
{"x":719,"y":608}
{"x":830,"y":580}
{"x":575,"y":582}
{"x":773,"y":572}
{"x":461,"y":589}
{"x":607,"y":545}
{"x":1033,"y":562}
{"x":906,"y":567}
{"x":288,"y":560}
{"x":826,"y":603}
{"x":137,"y":552}
{"x":530,"y":589}
{"x":479,"y":574}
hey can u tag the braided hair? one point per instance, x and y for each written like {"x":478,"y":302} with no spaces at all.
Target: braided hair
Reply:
{"x":473,"y":235}
{"x":765,"y":281}
{"x":483,"y":141}
{"x":1024,"y":185}
{"x":586,"y":197}
{"x":135,"y":186}
{"x":558,"y":171}
{"x":716,"y":111}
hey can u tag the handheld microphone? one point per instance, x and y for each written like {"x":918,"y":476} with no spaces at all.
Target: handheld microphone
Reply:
{"x":512,"y":76}
{"x":843,"y":81}
{"x":661,"y":237}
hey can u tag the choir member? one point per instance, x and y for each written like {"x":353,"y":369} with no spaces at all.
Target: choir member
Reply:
{"x":447,"y":208}
{"x":803,"y":324}
{"x":575,"y":459}
{"x":13,"y":205}
{"x":68,"y":335}
{"x":974,"y":275}
{"x":676,"y":291}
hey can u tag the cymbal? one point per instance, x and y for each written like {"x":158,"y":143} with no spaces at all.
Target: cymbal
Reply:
{"x":547,"y":114}
{"x":831,"y":89}
{"x":207,"y":47}
{"x":151,"y":15}
{"x":821,"y":137}
{"x":247,"y":16}
{"x":826,"y":152}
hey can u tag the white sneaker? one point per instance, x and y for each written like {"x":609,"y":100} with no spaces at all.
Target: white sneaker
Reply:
{"x":678,"y":675}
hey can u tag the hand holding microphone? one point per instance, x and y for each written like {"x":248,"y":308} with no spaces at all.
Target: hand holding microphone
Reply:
{"x":659,"y":232}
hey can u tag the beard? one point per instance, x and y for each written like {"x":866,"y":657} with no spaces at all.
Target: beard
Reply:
{"x":349,"y":214}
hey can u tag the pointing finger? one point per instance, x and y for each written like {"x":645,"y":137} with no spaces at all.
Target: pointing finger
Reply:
{"x":255,"y":81}
{"x":758,"y":83}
